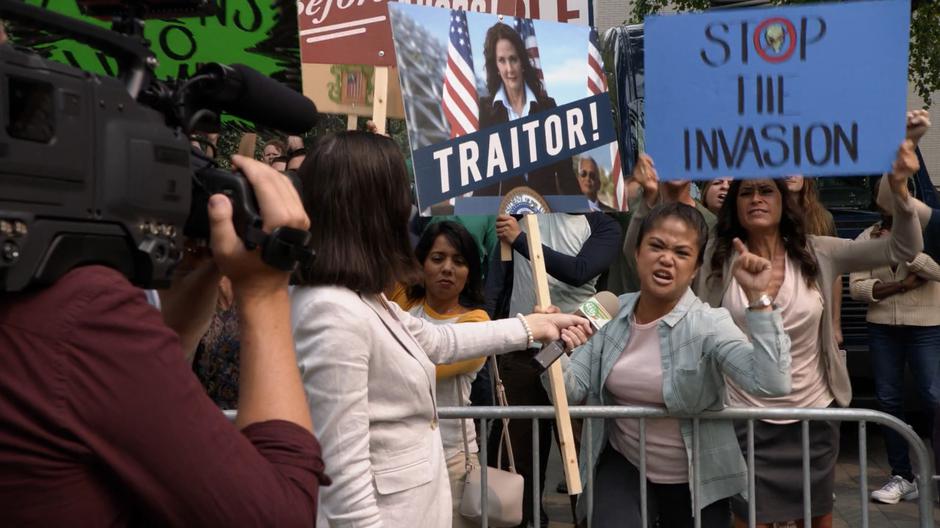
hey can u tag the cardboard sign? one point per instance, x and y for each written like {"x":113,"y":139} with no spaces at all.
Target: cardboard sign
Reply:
{"x":568,"y":11}
{"x":348,"y":89}
{"x":816,"y":90}
{"x":358,"y":32}
{"x":468,"y":149}
{"x":343,"y":32}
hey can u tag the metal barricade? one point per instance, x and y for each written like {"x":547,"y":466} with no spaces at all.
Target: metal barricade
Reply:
{"x":863,"y":417}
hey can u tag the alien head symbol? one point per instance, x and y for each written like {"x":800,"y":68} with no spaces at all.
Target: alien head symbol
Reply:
{"x":774,"y":36}
{"x":775,"y":39}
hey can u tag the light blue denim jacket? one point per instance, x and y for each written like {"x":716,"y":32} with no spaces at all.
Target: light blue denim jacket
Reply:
{"x":700,"y":345}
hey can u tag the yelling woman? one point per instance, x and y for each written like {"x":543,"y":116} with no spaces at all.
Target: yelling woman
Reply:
{"x":667,"y":349}
{"x":714,"y":193}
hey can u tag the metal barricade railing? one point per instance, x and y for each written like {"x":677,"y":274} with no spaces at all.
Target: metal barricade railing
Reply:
{"x":925,"y":475}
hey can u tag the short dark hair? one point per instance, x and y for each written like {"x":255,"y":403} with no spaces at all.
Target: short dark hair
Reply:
{"x":355,"y":191}
{"x":689,"y":215}
{"x":530,"y":75}
{"x":458,"y":236}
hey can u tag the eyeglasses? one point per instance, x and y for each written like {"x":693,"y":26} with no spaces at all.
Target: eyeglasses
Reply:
{"x":587,"y":174}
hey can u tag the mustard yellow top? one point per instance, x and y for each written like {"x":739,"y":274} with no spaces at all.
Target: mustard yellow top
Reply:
{"x":465,"y":315}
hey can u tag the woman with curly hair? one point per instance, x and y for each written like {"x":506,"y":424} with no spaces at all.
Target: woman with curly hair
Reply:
{"x":763,"y":215}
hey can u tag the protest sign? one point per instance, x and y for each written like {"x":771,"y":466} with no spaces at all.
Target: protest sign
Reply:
{"x":816,"y":90}
{"x":241,"y":31}
{"x":468,"y":146}
{"x":347,"y":89}
{"x":357,"y":31}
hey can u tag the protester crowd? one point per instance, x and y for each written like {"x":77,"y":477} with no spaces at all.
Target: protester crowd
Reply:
{"x":337,"y":370}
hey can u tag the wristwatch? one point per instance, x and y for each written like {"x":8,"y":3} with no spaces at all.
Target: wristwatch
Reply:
{"x":764,"y":301}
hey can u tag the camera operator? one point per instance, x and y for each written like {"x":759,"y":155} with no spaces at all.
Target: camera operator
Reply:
{"x":105,"y":424}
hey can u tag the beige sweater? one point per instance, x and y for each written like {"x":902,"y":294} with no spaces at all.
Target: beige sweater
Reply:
{"x":917,"y":307}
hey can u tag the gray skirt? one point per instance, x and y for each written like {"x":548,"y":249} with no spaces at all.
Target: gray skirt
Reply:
{"x":778,"y":475}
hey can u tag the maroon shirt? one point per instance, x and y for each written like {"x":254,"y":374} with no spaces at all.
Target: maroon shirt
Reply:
{"x":103,"y":423}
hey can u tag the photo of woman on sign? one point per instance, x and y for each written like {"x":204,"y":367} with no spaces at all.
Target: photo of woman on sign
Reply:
{"x":515,"y":91}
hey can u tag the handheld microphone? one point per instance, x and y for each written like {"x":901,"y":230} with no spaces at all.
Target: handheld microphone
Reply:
{"x":248,"y":94}
{"x":598,"y":310}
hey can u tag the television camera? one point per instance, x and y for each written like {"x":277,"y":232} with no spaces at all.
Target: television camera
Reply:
{"x":100,"y":170}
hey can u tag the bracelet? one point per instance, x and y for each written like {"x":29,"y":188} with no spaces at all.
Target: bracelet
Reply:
{"x":528,"y":331}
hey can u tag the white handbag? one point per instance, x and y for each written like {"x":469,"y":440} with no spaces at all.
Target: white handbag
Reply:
{"x":504,"y":489}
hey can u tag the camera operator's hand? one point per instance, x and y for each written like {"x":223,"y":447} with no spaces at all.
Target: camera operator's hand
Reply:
{"x":279,"y":205}
{"x":188,"y":304}
{"x":269,"y":383}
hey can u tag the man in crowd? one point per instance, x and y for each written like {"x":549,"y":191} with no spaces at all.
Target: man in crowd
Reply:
{"x":589,"y":181}
{"x":577,"y":248}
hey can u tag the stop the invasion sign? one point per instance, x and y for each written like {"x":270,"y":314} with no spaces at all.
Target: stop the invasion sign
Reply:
{"x":816,"y":90}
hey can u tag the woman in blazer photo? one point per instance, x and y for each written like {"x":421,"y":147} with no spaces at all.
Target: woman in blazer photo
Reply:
{"x":515,"y":91}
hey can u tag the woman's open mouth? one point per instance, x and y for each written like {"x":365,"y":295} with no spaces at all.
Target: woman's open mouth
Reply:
{"x":662,"y":277}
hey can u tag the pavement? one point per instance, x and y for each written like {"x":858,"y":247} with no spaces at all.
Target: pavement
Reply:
{"x":848,"y":505}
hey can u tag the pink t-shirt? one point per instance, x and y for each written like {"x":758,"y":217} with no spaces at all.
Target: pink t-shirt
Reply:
{"x":801,"y":308}
{"x":637,"y":379}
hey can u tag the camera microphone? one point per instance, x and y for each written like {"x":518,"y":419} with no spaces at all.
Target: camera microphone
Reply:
{"x":248,"y":94}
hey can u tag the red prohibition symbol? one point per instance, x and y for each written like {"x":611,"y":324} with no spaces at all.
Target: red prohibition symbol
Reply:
{"x":791,"y":33}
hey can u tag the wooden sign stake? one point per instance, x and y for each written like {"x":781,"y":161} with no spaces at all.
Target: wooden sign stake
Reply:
{"x":380,"y":98}
{"x":560,"y":398}
{"x":505,"y":251}
{"x":246,"y":147}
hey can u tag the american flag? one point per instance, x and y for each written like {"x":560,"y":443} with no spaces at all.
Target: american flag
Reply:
{"x":597,"y":84}
{"x":460,"y":92}
{"x":526,"y":30}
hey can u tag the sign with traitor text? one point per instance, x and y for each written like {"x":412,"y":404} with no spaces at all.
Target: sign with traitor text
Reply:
{"x":493,"y":103}
{"x":816,"y":90}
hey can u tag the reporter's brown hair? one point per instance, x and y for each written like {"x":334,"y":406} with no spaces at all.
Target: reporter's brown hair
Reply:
{"x":356,"y":193}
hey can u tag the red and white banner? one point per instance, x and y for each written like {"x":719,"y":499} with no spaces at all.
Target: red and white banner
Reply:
{"x":358,"y":31}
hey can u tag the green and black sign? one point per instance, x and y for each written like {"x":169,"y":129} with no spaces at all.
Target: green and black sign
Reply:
{"x":261,"y":34}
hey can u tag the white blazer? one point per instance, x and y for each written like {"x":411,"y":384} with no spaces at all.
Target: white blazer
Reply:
{"x":368,"y":369}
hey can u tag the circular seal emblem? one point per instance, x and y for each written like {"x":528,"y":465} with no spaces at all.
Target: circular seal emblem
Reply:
{"x":523,"y":200}
{"x":775,"y":39}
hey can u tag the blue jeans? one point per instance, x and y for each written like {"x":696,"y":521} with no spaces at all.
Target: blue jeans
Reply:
{"x":891,"y":348}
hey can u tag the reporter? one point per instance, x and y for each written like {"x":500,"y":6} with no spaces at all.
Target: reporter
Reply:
{"x":368,"y":365}
{"x":104,"y":423}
